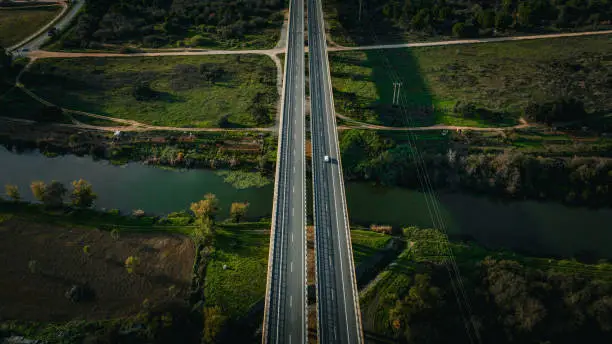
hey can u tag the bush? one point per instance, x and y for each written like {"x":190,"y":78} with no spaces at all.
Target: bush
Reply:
{"x":142,"y":91}
{"x":564,"y":109}
{"x":466,"y":110}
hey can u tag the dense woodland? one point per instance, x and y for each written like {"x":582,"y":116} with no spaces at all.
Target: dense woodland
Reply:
{"x":155,"y":23}
{"x":475,"y":18}
{"x":368,"y":156}
{"x":512,"y":302}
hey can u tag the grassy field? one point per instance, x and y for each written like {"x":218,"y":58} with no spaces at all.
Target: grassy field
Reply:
{"x":165,"y":91}
{"x":17,"y":104}
{"x":499,"y":79}
{"x":366,"y":243}
{"x":17,"y":24}
{"x":244,"y":249}
{"x":86,"y":254}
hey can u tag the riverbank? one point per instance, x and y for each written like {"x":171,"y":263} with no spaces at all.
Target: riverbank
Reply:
{"x":512,"y":298}
{"x":488,"y":164}
{"x":224,"y":149}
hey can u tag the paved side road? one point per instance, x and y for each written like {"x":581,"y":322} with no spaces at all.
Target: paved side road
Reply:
{"x":62,"y":21}
{"x":285,"y":308}
{"x":339,"y":317}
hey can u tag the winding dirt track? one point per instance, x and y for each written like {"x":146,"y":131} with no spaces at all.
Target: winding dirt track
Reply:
{"x":469,"y":41}
{"x":129,"y":125}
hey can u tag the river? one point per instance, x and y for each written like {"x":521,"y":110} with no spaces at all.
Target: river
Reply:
{"x":131,"y":186}
{"x":541,"y":228}
{"x":536,"y":227}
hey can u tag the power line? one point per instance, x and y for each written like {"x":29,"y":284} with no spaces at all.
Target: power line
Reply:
{"x":432,"y":203}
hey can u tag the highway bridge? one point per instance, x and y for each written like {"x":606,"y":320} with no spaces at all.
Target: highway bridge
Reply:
{"x":338,"y":314}
{"x":285,"y":303}
{"x":339,"y":317}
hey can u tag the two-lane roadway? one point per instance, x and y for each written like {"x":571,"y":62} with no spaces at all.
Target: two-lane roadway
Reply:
{"x":285,"y":312}
{"x":339,"y":317}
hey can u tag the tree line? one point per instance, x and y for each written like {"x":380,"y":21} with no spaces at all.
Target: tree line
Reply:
{"x":155,"y":23}
{"x":367,"y":156}
{"x":469,"y":19}
{"x":53,"y":195}
{"x":81,"y":196}
{"x":512,"y":300}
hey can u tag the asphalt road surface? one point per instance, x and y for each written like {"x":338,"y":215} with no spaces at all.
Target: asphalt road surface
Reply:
{"x":62,"y":25}
{"x":339,"y":319}
{"x":285,"y":314}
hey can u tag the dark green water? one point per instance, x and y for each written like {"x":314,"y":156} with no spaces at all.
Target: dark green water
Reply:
{"x":536,"y":227}
{"x":541,"y":228}
{"x":133,"y":186}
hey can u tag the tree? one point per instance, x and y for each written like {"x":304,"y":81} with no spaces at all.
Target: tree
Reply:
{"x":524,"y":15}
{"x":223,"y":121}
{"x":213,"y":322}
{"x":38,"y":189}
{"x":12,"y":191}
{"x":131,"y":263}
{"x":142,"y":91}
{"x":82,"y":194}
{"x":459,"y":29}
{"x":260,"y":114}
{"x":238,"y":210}
{"x":486,"y":19}
{"x":54,"y":195}
{"x":465,"y":109}
{"x":503,"y":20}
{"x":32,"y":266}
{"x":206,"y":208}
{"x":5,"y":62}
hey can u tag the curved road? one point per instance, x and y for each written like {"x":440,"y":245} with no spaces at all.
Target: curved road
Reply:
{"x":35,"y":41}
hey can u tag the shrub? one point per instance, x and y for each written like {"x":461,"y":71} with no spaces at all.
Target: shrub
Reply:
{"x":142,"y":91}
{"x":12,"y":191}
{"x":131,"y":264}
{"x":82,"y":194}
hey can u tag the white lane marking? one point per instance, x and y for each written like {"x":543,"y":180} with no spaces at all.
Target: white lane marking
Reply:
{"x":291,"y":266}
{"x":291,"y":301}
{"x":291,"y":237}
{"x":348,"y":335}
{"x":293,"y":189}
{"x":289,"y":339}
{"x":293,"y":212}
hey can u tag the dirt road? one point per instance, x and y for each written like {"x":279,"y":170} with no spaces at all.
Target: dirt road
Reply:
{"x":468,"y":41}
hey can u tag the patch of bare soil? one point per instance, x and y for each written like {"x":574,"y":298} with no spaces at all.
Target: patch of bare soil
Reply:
{"x":37,"y":291}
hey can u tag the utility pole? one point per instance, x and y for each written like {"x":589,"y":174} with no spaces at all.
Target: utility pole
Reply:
{"x":396,"y":94}
{"x":360,"y":6}
{"x":399,"y":85}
